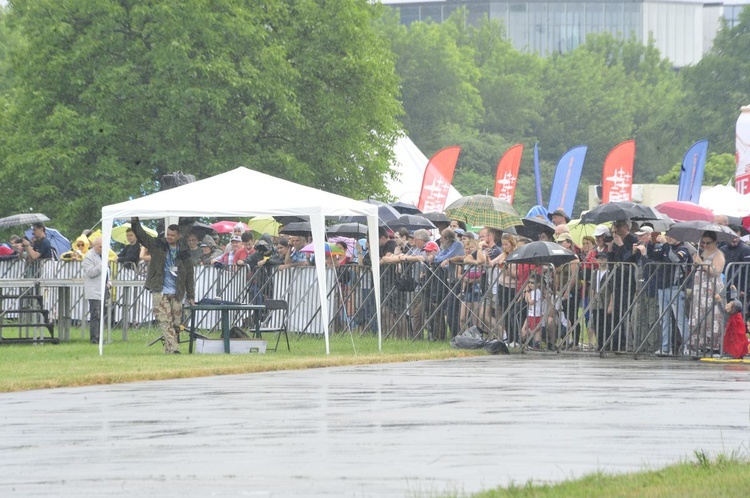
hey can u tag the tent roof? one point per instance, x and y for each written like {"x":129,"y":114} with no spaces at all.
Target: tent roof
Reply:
{"x":240,"y":192}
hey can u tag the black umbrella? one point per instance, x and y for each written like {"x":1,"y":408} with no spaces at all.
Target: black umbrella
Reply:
{"x":285,"y":220}
{"x":411,"y":222}
{"x":616,"y":211}
{"x":202,"y":229}
{"x":437,"y":217}
{"x":532,"y":227}
{"x":691,"y":231}
{"x":296,"y":228}
{"x":661,"y":224}
{"x":405,"y":208}
{"x":22,"y":219}
{"x":386,"y":214}
{"x":353,"y":230}
{"x":541,"y":252}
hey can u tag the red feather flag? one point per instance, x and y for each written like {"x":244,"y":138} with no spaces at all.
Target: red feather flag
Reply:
{"x":438,"y":176}
{"x":617,"y":174}
{"x":507,"y":173}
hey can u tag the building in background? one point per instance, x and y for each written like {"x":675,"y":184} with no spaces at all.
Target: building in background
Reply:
{"x":683,"y":30}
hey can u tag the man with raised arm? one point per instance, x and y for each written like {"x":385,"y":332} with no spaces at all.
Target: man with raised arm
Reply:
{"x":169,"y":279}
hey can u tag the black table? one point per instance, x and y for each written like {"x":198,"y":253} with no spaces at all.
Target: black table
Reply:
{"x":225,"y":308}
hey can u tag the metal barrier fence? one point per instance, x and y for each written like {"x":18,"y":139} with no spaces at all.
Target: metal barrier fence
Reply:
{"x":656,"y":308}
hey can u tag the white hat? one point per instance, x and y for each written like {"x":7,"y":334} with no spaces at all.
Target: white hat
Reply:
{"x":601,"y":230}
{"x":645,"y":229}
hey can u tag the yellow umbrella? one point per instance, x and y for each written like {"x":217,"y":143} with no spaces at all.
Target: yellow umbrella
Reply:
{"x":578,"y":230}
{"x":263,"y":224}
{"x":118,"y":233}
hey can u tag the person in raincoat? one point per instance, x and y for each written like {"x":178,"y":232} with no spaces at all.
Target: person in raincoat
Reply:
{"x":79,"y":249}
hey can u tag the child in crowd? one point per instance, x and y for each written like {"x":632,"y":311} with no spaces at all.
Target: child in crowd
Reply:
{"x":735,"y":333}
{"x":533,"y":323}
{"x":601,"y":289}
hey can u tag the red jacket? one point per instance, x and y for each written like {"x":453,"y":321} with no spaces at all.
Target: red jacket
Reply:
{"x":735,"y":338}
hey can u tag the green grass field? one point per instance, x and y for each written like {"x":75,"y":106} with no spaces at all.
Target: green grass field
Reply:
{"x":722,"y":477}
{"x":77,"y":362}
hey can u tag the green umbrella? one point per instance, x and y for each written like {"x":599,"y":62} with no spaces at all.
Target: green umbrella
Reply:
{"x":484,"y":210}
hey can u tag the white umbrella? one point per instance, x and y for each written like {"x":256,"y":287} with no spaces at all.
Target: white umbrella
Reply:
{"x":723,"y":199}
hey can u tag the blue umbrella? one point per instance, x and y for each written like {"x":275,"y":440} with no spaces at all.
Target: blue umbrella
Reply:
{"x":59,"y":243}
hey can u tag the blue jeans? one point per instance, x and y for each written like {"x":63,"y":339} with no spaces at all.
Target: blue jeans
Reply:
{"x":678,"y":309}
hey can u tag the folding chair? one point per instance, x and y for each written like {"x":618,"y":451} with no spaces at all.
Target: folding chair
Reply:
{"x":275,"y":322}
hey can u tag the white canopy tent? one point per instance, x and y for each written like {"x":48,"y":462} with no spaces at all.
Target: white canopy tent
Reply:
{"x":243,"y":193}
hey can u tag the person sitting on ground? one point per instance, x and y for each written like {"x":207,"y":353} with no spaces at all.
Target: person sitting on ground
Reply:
{"x":131,"y":253}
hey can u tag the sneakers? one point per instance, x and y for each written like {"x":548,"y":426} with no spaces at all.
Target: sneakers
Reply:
{"x":660,"y":352}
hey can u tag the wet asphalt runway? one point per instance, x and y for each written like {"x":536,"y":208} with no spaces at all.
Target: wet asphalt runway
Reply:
{"x":410,"y":429}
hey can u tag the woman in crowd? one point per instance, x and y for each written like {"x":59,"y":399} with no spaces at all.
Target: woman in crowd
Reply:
{"x":706,"y":319}
{"x":567,"y":283}
{"x":471,"y":290}
{"x":506,"y":289}
{"x":588,"y":265}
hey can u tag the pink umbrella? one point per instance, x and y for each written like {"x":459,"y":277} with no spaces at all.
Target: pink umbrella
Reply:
{"x":330,"y":249}
{"x":226,"y":226}
{"x":685,"y":211}
{"x":350,"y":247}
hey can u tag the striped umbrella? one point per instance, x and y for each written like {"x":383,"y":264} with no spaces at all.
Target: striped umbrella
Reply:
{"x":484,"y":210}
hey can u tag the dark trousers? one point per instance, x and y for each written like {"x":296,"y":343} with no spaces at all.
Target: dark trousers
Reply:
{"x":95,"y":318}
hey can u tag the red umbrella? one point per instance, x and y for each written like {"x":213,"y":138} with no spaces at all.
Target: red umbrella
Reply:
{"x":226,"y":226}
{"x":685,"y":211}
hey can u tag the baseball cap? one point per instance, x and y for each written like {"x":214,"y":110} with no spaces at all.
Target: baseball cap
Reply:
{"x":645,"y":230}
{"x":431,"y":246}
{"x":601,"y":255}
{"x":459,"y":231}
{"x":601,"y":230}
{"x":563,"y":236}
{"x":203,"y":244}
{"x":236,"y":239}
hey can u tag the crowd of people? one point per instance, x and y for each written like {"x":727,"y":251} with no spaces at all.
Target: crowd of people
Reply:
{"x":587,"y":303}
{"x":436,"y":288}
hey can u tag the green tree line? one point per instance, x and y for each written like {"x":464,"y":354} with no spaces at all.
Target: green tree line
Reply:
{"x":98,"y":99}
{"x":600,"y":94}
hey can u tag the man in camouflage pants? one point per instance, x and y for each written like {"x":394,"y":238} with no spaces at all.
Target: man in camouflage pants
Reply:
{"x":169,"y":278}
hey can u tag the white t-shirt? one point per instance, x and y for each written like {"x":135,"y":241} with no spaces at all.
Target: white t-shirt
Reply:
{"x":536,"y":308}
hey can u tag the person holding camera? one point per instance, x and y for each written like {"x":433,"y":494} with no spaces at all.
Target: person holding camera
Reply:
{"x":41,"y":248}
{"x":672,"y":258}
